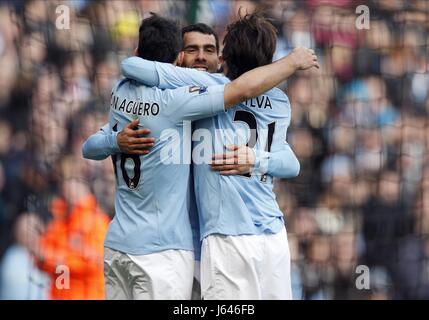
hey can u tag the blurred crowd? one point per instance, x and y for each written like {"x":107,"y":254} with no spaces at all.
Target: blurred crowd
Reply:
{"x":360,"y":129}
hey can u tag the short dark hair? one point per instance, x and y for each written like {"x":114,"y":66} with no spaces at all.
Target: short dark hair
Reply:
{"x":201,"y":28}
{"x":159,"y":39}
{"x":250,"y":42}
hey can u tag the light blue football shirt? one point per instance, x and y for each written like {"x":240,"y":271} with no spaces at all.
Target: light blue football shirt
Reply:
{"x":229,"y":205}
{"x":152,"y":197}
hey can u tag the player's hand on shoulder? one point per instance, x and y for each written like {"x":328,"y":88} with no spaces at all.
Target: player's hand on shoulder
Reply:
{"x":303,"y":58}
{"x":238,"y":160}
{"x":130,"y":140}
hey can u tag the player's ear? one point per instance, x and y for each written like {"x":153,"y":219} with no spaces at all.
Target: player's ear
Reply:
{"x":179,"y":59}
{"x":136,"y":51}
{"x":220,"y":62}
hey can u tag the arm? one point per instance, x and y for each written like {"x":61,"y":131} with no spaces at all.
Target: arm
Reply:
{"x":101,"y":144}
{"x":243,"y":160}
{"x":197,"y":102}
{"x":106,"y":142}
{"x":280,"y":164}
{"x":259,"y":80}
{"x":168,"y":76}
{"x":191,"y":103}
{"x":143,"y":71}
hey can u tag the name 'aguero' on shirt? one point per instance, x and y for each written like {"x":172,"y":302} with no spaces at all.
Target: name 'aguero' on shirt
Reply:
{"x":138,"y":108}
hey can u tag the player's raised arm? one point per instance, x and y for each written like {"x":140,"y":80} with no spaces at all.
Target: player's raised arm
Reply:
{"x":192,"y":102}
{"x":197,"y":102}
{"x":141,"y":70}
{"x":259,"y":80}
{"x":168,"y":76}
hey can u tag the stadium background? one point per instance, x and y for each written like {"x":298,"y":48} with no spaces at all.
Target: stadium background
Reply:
{"x":359,"y":128}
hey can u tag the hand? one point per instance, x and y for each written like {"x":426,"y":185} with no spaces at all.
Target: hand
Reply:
{"x":303,"y":58}
{"x":129,"y":140}
{"x":240,"y":160}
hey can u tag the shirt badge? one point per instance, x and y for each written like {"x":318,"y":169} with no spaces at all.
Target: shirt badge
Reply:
{"x":197,"y":89}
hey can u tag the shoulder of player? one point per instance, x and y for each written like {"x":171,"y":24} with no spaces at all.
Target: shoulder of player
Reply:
{"x":220,"y":77}
{"x":119,"y":84}
{"x":125,"y":83}
{"x":278,"y":95}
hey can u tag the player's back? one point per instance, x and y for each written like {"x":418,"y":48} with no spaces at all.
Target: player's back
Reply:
{"x":152,"y":191}
{"x":151,"y":207}
{"x":243,"y":204}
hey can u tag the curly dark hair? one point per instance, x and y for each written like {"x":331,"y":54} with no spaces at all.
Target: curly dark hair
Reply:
{"x":250,"y":42}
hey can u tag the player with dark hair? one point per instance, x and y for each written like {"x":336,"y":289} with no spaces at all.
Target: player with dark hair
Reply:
{"x":249,"y":42}
{"x":200,"y":28}
{"x":245,"y":252}
{"x":149,"y":242}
